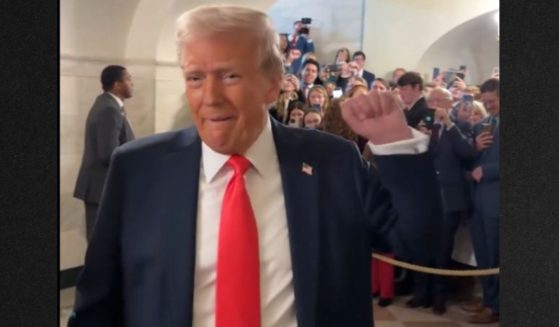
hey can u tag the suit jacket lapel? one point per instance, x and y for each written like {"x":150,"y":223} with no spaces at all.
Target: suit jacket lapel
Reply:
{"x":181,"y":171}
{"x":300,"y":188}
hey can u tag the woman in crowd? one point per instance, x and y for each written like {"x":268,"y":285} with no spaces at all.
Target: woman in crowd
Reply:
{"x":312,"y":120}
{"x":478,"y":113}
{"x":332,"y":122}
{"x":380,"y":84}
{"x":347,"y":71}
{"x":355,"y":81}
{"x":288,"y":94}
{"x":342,"y":55}
{"x":296,"y":114}
{"x":357,"y":89}
{"x":318,"y":98}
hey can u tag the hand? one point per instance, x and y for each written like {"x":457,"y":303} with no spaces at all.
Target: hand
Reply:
{"x":421,"y":127}
{"x":459,"y":83}
{"x":483,"y":141}
{"x":441,"y":115}
{"x":477,"y":174}
{"x":376,"y":116}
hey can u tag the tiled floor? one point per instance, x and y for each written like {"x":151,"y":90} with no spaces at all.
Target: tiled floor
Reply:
{"x":395,"y":315}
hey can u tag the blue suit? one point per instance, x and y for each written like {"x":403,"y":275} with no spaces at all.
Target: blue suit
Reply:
{"x":369,"y":77}
{"x":485,"y":223}
{"x":139,"y":267}
{"x":453,"y":152}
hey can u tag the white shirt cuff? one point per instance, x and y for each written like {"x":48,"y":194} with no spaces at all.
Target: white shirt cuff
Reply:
{"x":419,"y":143}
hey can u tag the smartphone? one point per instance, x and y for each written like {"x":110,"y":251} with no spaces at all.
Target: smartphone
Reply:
{"x":487,"y":127}
{"x":306,"y":21}
{"x":468,"y":98}
{"x":334,"y":68}
{"x":436,"y":72}
{"x":315,"y":107}
{"x":429,"y":118}
{"x":337,"y":92}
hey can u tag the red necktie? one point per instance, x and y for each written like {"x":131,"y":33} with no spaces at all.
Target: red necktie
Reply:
{"x":238,"y":264}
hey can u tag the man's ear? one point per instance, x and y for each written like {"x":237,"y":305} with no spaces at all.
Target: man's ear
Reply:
{"x":274,"y":89}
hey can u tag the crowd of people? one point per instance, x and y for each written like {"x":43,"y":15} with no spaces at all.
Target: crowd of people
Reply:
{"x":462,"y":123}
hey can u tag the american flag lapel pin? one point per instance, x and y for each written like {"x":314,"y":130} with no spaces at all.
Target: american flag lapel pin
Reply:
{"x":307,"y":169}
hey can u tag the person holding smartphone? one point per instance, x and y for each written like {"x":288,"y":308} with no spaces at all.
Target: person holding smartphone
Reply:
{"x":318,"y":99}
{"x":452,"y":151}
{"x":485,"y":221}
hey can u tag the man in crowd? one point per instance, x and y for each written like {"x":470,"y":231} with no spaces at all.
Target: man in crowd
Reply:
{"x":359,"y":58}
{"x":452,"y":152}
{"x":410,"y":86}
{"x":485,"y":223}
{"x":239,"y":221}
{"x":106,"y":128}
{"x":309,"y":77}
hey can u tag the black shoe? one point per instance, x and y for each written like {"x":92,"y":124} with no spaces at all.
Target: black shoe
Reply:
{"x":415,"y":303}
{"x":384,"y":302}
{"x":439,"y":307}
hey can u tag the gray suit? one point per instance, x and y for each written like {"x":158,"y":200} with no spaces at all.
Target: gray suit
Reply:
{"x":106,"y":128}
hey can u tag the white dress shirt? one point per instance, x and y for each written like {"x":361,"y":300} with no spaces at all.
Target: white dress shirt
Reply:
{"x":263,"y":184}
{"x":117,"y":99}
{"x":121,"y":105}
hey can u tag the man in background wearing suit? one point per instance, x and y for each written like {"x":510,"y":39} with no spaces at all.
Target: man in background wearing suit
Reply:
{"x":240,"y":221}
{"x":485,"y":222}
{"x":106,"y":128}
{"x":410,"y":86}
{"x":359,"y":58}
{"x":452,"y":152}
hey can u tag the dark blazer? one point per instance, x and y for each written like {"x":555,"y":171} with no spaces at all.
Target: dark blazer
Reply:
{"x":105,"y":129}
{"x":486,"y":192}
{"x":416,"y":113}
{"x":369,"y":77}
{"x":139,"y":266}
{"x":453,"y":152}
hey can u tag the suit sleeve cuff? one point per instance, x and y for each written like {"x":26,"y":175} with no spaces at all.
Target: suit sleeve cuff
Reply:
{"x":419,"y":143}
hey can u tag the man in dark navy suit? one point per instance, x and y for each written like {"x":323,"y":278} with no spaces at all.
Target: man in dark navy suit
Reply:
{"x":485,"y":223}
{"x":301,"y":205}
{"x":359,"y":58}
{"x":453,"y":152}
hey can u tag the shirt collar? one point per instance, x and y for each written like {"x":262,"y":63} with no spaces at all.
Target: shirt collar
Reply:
{"x":117,"y":99}
{"x":260,"y":154}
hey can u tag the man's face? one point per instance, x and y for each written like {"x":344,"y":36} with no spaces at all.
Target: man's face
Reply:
{"x":360,"y":60}
{"x":378,"y":86}
{"x":309,"y":73}
{"x":490,"y":101}
{"x":226,"y":91}
{"x":125,"y":86}
{"x":409,"y":94}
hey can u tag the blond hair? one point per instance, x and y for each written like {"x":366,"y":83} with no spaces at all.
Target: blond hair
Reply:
{"x":211,"y":20}
{"x":478,"y":108}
